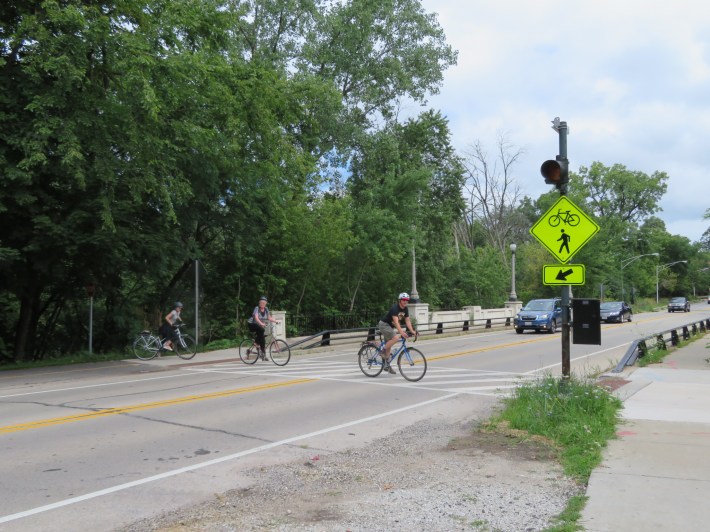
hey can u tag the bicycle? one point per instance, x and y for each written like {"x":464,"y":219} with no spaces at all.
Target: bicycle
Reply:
{"x":279,"y":351}
{"x":565,"y":217}
{"x":147,"y":346}
{"x":411,"y":362}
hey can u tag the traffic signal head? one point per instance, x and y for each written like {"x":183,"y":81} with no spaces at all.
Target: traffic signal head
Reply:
{"x":555,"y":172}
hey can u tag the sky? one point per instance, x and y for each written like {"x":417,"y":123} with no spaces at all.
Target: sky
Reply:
{"x":631,"y":78}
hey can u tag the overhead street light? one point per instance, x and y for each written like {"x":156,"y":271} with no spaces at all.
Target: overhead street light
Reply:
{"x":663,"y":267}
{"x":626,"y":262}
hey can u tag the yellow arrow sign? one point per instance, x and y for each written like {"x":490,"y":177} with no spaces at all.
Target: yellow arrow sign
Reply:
{"x":564,"y":229}
{"x":563,"y":274}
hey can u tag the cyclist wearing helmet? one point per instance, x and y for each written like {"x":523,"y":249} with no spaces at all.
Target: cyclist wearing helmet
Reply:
{"x":391,"y":326}
{"x":257,"y":322}
{"x":168,"y":328}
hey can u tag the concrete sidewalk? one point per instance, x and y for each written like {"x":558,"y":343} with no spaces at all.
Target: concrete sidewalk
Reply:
{"x":656,"y":476}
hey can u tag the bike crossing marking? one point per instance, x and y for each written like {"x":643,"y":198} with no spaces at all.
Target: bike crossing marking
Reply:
{"x":436,"y":378}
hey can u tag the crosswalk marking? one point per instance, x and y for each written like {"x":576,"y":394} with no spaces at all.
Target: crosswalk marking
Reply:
{"x":438,"y":378}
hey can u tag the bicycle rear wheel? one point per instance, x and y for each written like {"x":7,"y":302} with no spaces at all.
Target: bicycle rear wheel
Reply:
{"x":146,"y":346}
{"x":370,"y":360}
{"x":280,"y":352}
{"x":185,"y":347}
{"x":247,"y":352}
{"x":411,"y":364}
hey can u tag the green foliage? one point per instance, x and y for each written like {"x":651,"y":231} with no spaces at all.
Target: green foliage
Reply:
{"x":575,"y":413}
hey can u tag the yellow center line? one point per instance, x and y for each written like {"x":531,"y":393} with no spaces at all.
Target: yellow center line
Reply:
{"x":145,"y":406}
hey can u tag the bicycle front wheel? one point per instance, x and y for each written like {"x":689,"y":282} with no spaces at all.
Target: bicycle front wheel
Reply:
{"x":370,"y":360}
{"x":146,"y":346}
{"x":247,"y":352}
{"x":411,"y":364}
{"x":280,"y":352}
{"x":185,"y":347}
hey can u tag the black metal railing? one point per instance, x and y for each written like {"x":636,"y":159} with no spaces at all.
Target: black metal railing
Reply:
{"x":639,"y":348}
{"x":301,"y":325}
{"x":331,"y":337}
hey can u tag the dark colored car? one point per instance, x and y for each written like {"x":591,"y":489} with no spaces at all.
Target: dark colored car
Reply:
{"x":539,"y":315}
{"x":679,"y":304}
{"x":615,"y":311}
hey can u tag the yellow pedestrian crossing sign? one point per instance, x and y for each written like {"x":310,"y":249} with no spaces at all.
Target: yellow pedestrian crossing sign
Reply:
{"x":564,"y":229}
{"x":563,"y":274}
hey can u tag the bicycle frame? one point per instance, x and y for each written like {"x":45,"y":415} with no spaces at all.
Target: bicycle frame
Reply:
{"x":411,"y":362}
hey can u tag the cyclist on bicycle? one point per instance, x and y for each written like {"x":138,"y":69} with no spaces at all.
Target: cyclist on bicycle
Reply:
{"x":167,"y":329}
{"x":391,"y":327}
{"x":257,"y":322}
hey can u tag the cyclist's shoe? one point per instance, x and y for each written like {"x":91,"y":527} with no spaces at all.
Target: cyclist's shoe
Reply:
{"x":248,"y":354}
{"x":390,"y":370}
{"x":167,"y":348}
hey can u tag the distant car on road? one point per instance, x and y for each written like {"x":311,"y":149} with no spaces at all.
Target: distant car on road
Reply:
{"x":539,"y":315}
{"x":679,"y":304}
{"x":615,"y":311}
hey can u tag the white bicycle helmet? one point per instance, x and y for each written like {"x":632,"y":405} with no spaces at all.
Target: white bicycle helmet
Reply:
{"x":403,"y":295}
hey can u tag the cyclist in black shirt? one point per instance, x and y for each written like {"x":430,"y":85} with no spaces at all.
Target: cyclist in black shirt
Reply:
{"x":391,"y":326}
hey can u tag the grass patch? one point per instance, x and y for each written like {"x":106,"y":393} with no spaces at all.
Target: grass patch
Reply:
{"x":575,"y":414}
{"x":570,"y":516}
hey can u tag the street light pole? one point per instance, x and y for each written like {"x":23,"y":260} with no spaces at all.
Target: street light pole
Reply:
{"x":513,"y":295}
{"x":626,"y":262}
{"x":658,"y":271}
{"x":700,"y":270}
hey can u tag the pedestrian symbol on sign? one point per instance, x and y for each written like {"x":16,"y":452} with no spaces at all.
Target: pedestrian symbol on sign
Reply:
{"x":565,"y":238}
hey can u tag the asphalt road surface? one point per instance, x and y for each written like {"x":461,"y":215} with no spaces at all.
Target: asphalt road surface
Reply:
{"x":99,"y":446}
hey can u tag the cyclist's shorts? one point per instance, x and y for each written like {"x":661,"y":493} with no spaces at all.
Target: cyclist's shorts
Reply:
{"x":388,"y":332}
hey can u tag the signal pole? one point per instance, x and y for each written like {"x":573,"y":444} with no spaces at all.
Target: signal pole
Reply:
{"x":562,"y":131}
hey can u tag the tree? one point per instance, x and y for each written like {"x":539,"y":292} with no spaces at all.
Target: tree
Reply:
{"x":492,"y":196}
{"x":616,"y":192}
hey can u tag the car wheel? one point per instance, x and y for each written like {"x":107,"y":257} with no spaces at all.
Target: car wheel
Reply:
{"x":519,"y":331}
{"x":553,"y":327}
{"x":630,"y":315}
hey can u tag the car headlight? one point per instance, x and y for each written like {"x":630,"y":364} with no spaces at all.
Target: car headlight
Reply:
{"x":543,"y":317}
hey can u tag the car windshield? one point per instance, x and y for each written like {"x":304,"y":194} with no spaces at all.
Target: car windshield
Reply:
{"x":539,"y":304}
{"x":611,"y":305}
{"x":678,"y":300}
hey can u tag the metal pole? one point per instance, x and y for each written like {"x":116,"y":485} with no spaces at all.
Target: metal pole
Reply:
{"x":562,"y":130}
{"x":197,"y":306}
{"x":91,"y":323}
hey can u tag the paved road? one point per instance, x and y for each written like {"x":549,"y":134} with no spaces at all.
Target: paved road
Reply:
{"x":102,"y":445}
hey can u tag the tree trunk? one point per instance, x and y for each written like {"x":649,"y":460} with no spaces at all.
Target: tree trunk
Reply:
{"x":26,"y":330}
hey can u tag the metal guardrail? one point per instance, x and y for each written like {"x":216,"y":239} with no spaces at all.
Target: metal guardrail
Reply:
{"x":640,"y":347}
{"x":346,"y":336}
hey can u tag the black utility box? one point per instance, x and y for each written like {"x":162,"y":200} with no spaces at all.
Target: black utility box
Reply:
{"x":586,"y":322}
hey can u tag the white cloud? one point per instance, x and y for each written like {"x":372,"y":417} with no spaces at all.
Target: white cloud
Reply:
{"x":631,"y":78}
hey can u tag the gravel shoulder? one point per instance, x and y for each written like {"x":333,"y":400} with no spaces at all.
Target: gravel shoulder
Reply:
{"x":431,"y":475}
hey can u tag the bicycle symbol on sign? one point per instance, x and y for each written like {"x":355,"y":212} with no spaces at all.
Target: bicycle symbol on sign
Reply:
{"x":565,"y":217}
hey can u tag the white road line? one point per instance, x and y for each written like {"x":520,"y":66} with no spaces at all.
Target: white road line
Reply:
{"x":578,"y":358}
{"x":195,"y":467}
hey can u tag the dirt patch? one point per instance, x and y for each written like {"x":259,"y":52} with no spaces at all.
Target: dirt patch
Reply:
{"x":611,"y":384}
{"x":510,"y":443}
